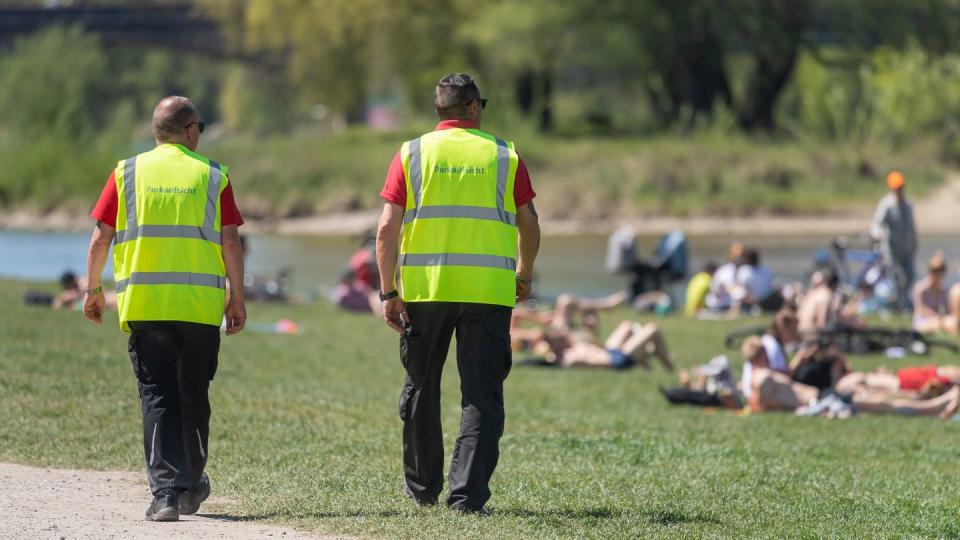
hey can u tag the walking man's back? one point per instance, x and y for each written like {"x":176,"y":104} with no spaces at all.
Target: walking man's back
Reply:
{"x":171,"y":216}
{"x":463,"y":201}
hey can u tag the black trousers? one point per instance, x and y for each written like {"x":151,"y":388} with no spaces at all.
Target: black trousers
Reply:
{"x":174,"y":363}
{"x":483,"y":360}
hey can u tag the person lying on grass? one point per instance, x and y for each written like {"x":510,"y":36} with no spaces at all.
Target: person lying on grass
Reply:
{"x":811,"y":364}
{"x":708,"y":385}
{"x":774,"y":391}
{"x":912,"y":381}
{"x":569,"y":314}
{"x":629,"y":344}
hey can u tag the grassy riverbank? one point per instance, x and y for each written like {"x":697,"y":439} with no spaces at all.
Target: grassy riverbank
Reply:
{"x":305,"y":432}
{"x":707,"y":174}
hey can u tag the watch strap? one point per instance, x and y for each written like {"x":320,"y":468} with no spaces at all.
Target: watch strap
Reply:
{"x":387,"y":296}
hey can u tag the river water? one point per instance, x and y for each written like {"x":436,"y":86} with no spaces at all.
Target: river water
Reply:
{"x":566,"y":264}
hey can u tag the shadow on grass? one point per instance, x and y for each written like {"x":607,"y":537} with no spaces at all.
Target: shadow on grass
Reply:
{"x":654,"y":517}
{"x":318,"y":515}
{"x":670,"y":517}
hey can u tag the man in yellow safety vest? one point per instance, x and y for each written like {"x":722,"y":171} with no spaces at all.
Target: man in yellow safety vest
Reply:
{"x":171,"y":216}
{"x":463,"y":201}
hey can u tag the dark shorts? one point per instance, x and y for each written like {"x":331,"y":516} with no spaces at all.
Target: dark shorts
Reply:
{"x":619,"y":360}
{"x":815,"y":373}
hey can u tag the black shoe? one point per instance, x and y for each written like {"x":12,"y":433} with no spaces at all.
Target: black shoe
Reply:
{"x":482,"y":511}
{"x":190,"y":500}
{"x":165,"y":506}
{"x":423,"y":503}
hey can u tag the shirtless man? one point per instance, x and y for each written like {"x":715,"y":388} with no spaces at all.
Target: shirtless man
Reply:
{"x":773,"y":391}
{"x":820,"y":308}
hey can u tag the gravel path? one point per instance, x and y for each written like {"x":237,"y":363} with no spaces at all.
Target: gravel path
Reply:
{"x":52,"y":503}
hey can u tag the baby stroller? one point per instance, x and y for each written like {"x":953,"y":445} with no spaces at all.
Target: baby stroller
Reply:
{"x":668,"y":265}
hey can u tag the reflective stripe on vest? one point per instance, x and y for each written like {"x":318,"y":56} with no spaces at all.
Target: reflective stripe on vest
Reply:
{"x":172,"y":278}
{"x":133,"y":231}
{"x":451,"y":211}
{"x":458,"y":259}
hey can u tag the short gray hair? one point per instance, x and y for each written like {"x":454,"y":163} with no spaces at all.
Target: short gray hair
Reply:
{"x":454,"y":92}
{"x":171,"y":115}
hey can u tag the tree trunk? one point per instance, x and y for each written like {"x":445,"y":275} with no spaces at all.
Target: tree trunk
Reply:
{"x":777,"y":41}
{"x":534,"y":95}
{"x":770,"y":76}
{"x":691,"y":63}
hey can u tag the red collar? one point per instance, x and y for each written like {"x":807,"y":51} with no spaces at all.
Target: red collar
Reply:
{"x":462,"y":124}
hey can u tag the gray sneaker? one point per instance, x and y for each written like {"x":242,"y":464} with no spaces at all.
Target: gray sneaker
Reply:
{"x":164,"y":507}
{"x":190,"y":500}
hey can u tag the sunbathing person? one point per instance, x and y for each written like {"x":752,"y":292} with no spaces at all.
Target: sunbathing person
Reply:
{"x":773,"y":391}
{"x":810,"y":364}
{"x":911,"y":381}
{"x":754,"y":285}
{"x":930,"y":299}
{"x":724,"y":281}
{"x":709,"y":385}
{"x":631,"y":343}
{"x":569,"y":313}
{"x":821,"y":308}
{"x":698,"y":288}
{"x":568,"y":307}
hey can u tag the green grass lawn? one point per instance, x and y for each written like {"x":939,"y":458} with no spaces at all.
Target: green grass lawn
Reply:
{"x":305,"y":432}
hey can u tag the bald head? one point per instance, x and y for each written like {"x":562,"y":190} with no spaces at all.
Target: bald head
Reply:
{"x":171,"y":117}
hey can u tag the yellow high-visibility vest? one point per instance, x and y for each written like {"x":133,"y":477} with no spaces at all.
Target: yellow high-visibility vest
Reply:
{"x":167,"y":257}
{"x":460,"y":226}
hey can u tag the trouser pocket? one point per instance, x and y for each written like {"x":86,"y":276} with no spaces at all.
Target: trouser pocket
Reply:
{"x":500,"y":356}
{"x":134,"y":357}
{"x":411,"y":356}
{"x":407,"y":397}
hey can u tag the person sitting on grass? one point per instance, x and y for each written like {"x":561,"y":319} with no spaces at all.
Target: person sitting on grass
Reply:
{"x":774,"y":391}
{"x":755,"y":287}
{"x":821,"y":308}
{"x":724,"y":281}
{"x":810,"y":364}
{"x":698,"y":288}
{"x":353,"y":294}
{"x":930,"y":299}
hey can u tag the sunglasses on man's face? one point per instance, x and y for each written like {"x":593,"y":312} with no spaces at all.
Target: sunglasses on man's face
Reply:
{"x":200,"y":126}
{"x":483,"y":102}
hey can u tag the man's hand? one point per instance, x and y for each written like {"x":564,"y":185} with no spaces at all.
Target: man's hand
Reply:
{"x":524,"y":288}
{"x":93,"y":307}
{"x":236,"y":314}
{"x":395,"y":314}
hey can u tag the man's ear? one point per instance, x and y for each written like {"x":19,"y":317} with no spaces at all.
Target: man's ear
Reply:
{"x":473,"y":109}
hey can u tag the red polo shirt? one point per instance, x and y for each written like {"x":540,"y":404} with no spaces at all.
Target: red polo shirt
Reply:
{"x":106,"y":208}
{"x":395,"y":186}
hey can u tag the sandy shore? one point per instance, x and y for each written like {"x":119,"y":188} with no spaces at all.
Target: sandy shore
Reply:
{"x":935,"y":214}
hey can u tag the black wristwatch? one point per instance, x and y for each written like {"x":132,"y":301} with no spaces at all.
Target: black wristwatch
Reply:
{"x":387,"y":296}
